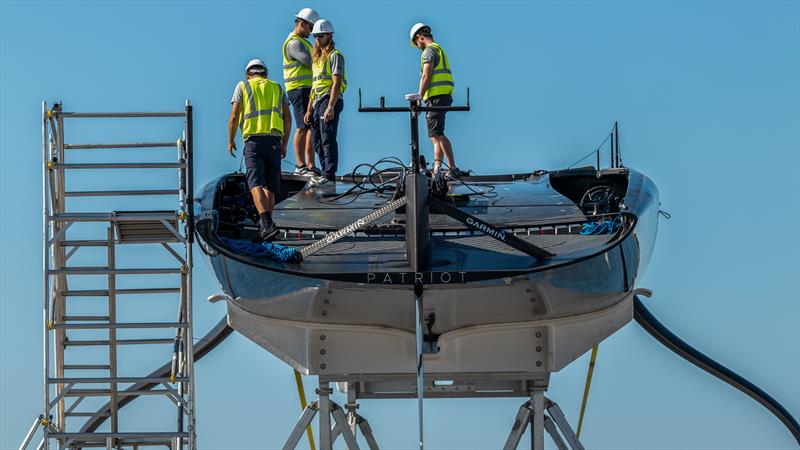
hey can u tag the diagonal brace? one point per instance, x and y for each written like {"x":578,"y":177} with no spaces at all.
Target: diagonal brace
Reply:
{"x":479,"y":225}
{"x":353,"y":227}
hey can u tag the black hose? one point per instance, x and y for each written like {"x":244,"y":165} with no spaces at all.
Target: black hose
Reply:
{"x":201,"y":348}
{"x":656,"y":329}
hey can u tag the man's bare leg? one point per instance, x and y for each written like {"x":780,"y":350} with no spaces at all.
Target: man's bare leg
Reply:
{"x":438,"y":154}
{"x":444,"y":143}
{"x":300,"y":150}
{"x":264,"y":199}
{"x":310,"y":155}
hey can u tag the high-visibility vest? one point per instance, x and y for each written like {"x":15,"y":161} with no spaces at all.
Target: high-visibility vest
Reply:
{"x":295,"y":74}
{"x":442,"y":78}
{"x":262,"y":111}
{"x":323,"y":79}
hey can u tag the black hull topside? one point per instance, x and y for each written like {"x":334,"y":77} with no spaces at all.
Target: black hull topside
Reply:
{"x":547,"y":210}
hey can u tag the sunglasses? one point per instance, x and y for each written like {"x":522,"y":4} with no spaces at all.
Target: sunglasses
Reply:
{"x":321,"y":35}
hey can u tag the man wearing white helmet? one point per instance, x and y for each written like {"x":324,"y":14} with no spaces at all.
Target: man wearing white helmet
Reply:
{"x":297,"y":78}
{"x":436,"y":89}
{"x":325,"y":105}
{"x":261,"y":110}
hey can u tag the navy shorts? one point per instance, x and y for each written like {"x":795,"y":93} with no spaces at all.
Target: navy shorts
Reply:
{"x":299,"y":100}
{"x":262,"y":157}
{"x":435,"y":119}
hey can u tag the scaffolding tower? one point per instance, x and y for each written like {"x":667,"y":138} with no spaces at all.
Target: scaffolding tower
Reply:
{"x":85,"y":329}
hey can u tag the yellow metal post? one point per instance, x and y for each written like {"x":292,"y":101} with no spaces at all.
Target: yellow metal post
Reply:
{"x":302,"y":394}
{"x":586,"y":389}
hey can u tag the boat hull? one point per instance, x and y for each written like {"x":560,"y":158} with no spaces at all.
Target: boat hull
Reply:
{"x":532,"y":322}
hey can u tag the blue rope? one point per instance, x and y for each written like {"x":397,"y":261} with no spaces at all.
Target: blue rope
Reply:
{"x":602,"y":227}
{"x":277,"y":252}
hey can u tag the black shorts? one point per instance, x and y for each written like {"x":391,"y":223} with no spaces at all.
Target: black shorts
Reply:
{"x":299,"y":100}
{"x":435,"y":119}
{"x":262,"y":157}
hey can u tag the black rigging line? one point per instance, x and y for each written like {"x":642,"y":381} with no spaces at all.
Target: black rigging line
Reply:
{"x":663,"y":335}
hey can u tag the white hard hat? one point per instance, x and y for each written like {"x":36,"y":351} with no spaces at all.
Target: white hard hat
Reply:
{"x":308,"y":14}
{"x":414,"y":30}
{"x":322,"y":26}
{"x":255,"y":62}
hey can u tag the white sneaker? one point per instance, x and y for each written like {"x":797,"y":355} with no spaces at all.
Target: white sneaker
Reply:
{"x":300,"y":170}
{"x":317,"y":181}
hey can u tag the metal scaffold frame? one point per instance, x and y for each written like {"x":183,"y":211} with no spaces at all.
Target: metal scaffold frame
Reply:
{"x":63,"y":386}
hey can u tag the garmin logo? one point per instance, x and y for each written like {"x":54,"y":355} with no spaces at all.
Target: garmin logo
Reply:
{"x":480,"y":226}
{"x":415,"y":277}
{"x":352,"y":228}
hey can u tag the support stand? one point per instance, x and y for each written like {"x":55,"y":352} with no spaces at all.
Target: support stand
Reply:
{"x":533,"y":412}
{"x":327,"y":435}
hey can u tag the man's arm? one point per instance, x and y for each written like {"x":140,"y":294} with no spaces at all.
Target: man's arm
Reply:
{"x":298,"y":52}
{"x":287,"y":128}
{"x":337,"y":70}
{"x":233,"y":124}
{"x":425,"y":79}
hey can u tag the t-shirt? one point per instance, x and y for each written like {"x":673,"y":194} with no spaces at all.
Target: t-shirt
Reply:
{"x":337,"y":68}
{"x":429,"y":55}
{"x":296,"y":51}
{"x":237,"y":98}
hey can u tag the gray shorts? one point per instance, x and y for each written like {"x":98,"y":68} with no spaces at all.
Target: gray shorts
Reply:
{"x":435,"y":119}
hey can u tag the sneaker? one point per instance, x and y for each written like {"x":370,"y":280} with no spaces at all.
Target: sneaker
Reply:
{"x":300,"y":170}
{"x":317,"y":181}
{"x":314,"y":171}
{"x":267,"y":231}
{"x":455,"y":172}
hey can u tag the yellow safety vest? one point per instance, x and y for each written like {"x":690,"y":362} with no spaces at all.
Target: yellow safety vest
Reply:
{"x":262,"y":111}
{"x":295,"y":74}
{"x":323,"y":79}
{"x":442,"y":79}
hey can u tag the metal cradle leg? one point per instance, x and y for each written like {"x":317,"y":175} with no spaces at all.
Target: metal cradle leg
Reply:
{"x":550,"y":427}
{"x":341,"y":423}
{"x":366,"y":430}
{"x":518,"y":429}
{"x":302,"y":423}
{"x":558,"y":417}
{"x":537,"y":424}
{"x":325,"y":438}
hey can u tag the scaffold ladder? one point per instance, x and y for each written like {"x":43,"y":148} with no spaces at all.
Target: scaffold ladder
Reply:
{"x":85,"y":328}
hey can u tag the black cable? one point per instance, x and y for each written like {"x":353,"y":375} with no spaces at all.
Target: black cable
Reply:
{"x":663,"y":335}
{"x":490,"y":193}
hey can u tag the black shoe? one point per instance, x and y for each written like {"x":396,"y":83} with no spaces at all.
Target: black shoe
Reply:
{"x":267,"y":231}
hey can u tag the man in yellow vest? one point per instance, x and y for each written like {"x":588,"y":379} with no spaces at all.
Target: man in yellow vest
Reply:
{"x":436,"y":89}
{"x":297,"y":78}
{"x":261,"y":110}
{"x":326,"y":103}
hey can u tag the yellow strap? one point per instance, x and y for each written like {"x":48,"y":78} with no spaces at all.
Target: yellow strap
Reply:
{"x":586,"y":389}
{"x":302,"y":393}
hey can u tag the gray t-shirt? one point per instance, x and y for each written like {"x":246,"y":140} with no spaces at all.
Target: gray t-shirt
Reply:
{"x":429,"y":55}
{"x":296,"y":51}
{"x":237,"y":98}
{"x":337,"y":68}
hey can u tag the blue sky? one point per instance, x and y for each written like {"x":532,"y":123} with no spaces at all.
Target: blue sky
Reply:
{"x":708,"y":99}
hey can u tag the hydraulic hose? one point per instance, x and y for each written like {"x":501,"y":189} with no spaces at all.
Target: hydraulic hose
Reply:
{"x":656,"y":329}
{"x":201,"y":348}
